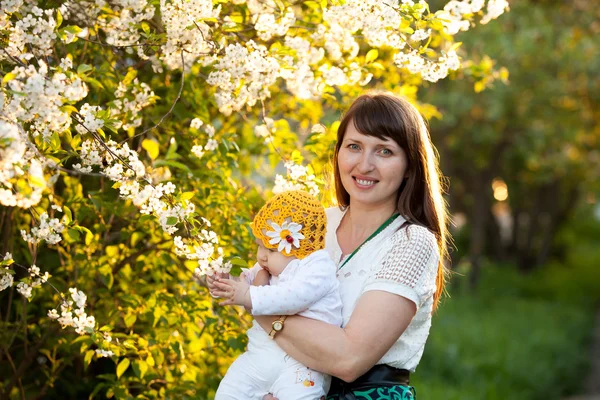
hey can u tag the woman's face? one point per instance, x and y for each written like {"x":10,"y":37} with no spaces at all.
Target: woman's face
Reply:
{"x":371,"y":169}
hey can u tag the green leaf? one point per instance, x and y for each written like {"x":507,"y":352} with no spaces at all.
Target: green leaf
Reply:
{"x":88,"y":236}
{"x":186,"y":196}
{"x":122,"y":367}
{"x":8,"y":77}
{"x":131,"y":74}
{"x":151,"y":146}
{"x":73,"y":233}
{"x":236,"y":270}
{"x":74,"y":29}
{"x":106,"y":275}
{"x":455,"y":46}
{"x":55,"y":142}
{"x":171,"y":163}
{"x":135,"y":238}
{"x":140,"y":367}
{"x":172,"y":220}
{"x":83,"y":68}
{"x":129,"y":320}
{"x":88,"y":357}
{"x":59,"y":19}
{"x":76,"y":141}
{"x":145,"y":27}
{"x":69,"y":109}
{"x":95,"y":83}
{"x":82,"y":338}
{"x":37,"y":181}
{"x":172,"y":151}
{"x":238,"y":261}
{"x":371,"y":56}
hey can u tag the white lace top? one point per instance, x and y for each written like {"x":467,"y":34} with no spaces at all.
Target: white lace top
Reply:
{"x":402,"y":262}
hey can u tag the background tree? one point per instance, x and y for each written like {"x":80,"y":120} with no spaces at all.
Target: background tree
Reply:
{"x":522,"y":156}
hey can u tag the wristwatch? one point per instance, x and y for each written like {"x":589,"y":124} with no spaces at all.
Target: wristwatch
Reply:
{"x":277,"y":326}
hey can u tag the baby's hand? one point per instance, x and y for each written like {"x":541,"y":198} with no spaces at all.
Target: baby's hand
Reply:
{"x":210,"y":282}
{"x":235,"y":292}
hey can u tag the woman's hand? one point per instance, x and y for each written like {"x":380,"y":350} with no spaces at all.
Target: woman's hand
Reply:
{"x":234,"y":292}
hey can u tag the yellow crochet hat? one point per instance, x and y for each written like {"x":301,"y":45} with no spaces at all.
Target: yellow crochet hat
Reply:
{"x":293,"y":222}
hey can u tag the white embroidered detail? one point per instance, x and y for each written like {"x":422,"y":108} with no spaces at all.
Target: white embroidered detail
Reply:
{"x":410,"y":255}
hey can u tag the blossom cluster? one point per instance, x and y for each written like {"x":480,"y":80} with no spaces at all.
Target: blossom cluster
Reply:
{"x":121,"y":27}
{"x":267,"y":23}
{"x":452,"y":16}
{"x":202,"y":249}
{"x":122,"y":165}
{"x":35,"y":279}
{"x":72,"y":313}
{"x":265,"y":130}
{"x":298,"y":177}
{"x":188,"y":36}
{"x":429,"y":70}
{"x":48,"y":230}
{"x":243,"y":75}
{"x":6,"y":274}
{"x":21,"y":174}
{"x":211,"y":144}
{"x":130,"y":101}
{"x":41,"y":97}
{"x":152,"y":199}
{"x":31,"y":36}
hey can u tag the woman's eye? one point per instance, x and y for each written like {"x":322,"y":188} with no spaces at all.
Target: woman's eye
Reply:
{"x":353,"y":146}
{"x":386,"y":152}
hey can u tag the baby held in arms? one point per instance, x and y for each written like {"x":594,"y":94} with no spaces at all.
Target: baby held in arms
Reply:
{"x":293,"y":275}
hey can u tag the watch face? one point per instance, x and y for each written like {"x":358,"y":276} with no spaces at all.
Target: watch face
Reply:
{"x":277,"y":326}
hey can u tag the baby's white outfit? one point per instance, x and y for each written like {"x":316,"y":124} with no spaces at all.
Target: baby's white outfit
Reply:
{"x":306,"y":287}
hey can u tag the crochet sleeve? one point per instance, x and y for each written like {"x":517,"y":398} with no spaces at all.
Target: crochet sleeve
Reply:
{"x":410,"y":267}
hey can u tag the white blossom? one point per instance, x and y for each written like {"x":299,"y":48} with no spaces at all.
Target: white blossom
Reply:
{"x":420,"y":34}
{"x":6,"y":279}
{"x":24,"y":289}
{"x":298,"y":178}
{"x":104,"y":353}
{"x":48,"y":230}
{"x":21,"y":173}
{"x":196,"y":123}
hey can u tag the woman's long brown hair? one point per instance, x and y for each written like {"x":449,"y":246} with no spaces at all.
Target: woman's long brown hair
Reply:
{"x":420,"y":198}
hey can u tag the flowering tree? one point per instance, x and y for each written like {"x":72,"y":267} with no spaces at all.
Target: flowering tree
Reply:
{"x":137,"y":139}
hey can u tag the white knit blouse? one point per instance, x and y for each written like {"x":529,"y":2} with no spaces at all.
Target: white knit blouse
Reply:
{"x":402,"y":262}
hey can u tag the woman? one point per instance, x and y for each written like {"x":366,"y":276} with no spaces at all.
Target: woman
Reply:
{"x":388,"y":237}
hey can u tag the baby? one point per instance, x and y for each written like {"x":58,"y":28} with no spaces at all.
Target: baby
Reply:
{"x":290,"y":234}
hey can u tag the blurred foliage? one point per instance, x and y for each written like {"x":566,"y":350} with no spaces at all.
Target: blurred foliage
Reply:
{"x":535,"y":130}
{"x":504,"y":347}
{"x":517,"y":336}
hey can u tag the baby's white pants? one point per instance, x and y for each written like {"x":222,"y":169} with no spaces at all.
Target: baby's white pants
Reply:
{"x":265,"y":368}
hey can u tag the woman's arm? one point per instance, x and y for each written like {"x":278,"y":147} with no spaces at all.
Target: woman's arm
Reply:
{"x":377,"y":322}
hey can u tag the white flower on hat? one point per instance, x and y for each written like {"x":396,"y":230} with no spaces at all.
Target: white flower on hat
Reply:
{"x":285,"y":236}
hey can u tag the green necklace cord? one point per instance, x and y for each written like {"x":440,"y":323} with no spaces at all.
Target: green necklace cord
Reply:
{"x":382,"y":227}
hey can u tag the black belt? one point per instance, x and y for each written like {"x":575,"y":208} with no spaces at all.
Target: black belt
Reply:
{"x":378,"y":376}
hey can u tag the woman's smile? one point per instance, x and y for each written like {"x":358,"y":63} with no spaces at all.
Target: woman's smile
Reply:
{"x":364,"y":182}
